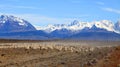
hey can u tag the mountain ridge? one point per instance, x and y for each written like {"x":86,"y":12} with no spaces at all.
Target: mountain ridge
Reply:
{"x":76,"y":26}
{"x":14,"y":24}
{"x":16,"y":28}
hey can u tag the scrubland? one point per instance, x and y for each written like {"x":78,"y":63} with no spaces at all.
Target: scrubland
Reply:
{"x":59,"y":53}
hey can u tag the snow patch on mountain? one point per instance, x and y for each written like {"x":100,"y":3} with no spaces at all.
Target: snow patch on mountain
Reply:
{"x":9,"y":23}
{"x":105,"y":24}
{"x":5,"y":18}
{"x":77,"y":26}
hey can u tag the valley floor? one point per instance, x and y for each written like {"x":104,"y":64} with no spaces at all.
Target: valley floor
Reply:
{"x":60,"y":54}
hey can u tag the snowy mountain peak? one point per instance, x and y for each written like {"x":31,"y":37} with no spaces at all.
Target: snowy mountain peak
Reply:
{"x":75,"y":22}
{"x":118,"y":22}
{"x":77,"y":26}
{"x":5,"y":18}
{"x":117,"y":26}
{"x":12,"y":23}
{"x":105,"y":24}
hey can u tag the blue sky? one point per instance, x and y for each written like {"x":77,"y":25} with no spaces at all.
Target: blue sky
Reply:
{"x":43,"y":12}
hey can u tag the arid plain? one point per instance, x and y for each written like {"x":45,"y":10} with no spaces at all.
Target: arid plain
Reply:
{"x":59,"y":53}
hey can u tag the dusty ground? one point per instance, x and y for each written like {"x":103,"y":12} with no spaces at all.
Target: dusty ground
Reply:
{"x":60,"y":54}
{"x":111,"y":60}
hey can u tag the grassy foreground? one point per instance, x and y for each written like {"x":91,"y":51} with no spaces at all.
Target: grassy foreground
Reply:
{"x":59,"y":53}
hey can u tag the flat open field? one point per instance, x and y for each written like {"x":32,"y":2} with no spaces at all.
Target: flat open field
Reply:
{"x":59,"y":53}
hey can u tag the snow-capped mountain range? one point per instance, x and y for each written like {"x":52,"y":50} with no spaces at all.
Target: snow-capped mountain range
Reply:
{"x":4,"y":18}
{"x":14,"y":24}
{"x":77,"y":26}
{"x":16,"y":28}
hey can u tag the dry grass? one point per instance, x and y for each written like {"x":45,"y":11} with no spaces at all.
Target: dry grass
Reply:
{"x":111,"y":60}
{"x":54,"y":53}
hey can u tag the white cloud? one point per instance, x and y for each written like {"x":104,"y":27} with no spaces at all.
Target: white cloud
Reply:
{"x":100,"y":3}
{"x":112,"y":10}
{"x":10,"y":1}
{"x":17,"y":7}
{"x":74,"y":1}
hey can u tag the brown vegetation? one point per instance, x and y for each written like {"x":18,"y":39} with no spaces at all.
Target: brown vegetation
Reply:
{"x":59,"y":54}
{"x":111,"y":60}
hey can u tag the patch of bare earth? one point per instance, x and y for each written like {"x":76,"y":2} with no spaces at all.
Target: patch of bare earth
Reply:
{"x":55,"y":54}
{"x":21,"y":57}
{"x":111,"y":60}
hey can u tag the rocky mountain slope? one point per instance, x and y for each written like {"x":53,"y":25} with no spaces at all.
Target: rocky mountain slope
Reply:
{"x":78,"y":26}
{"x":16,"y":28}
{"x":14,"y":24}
